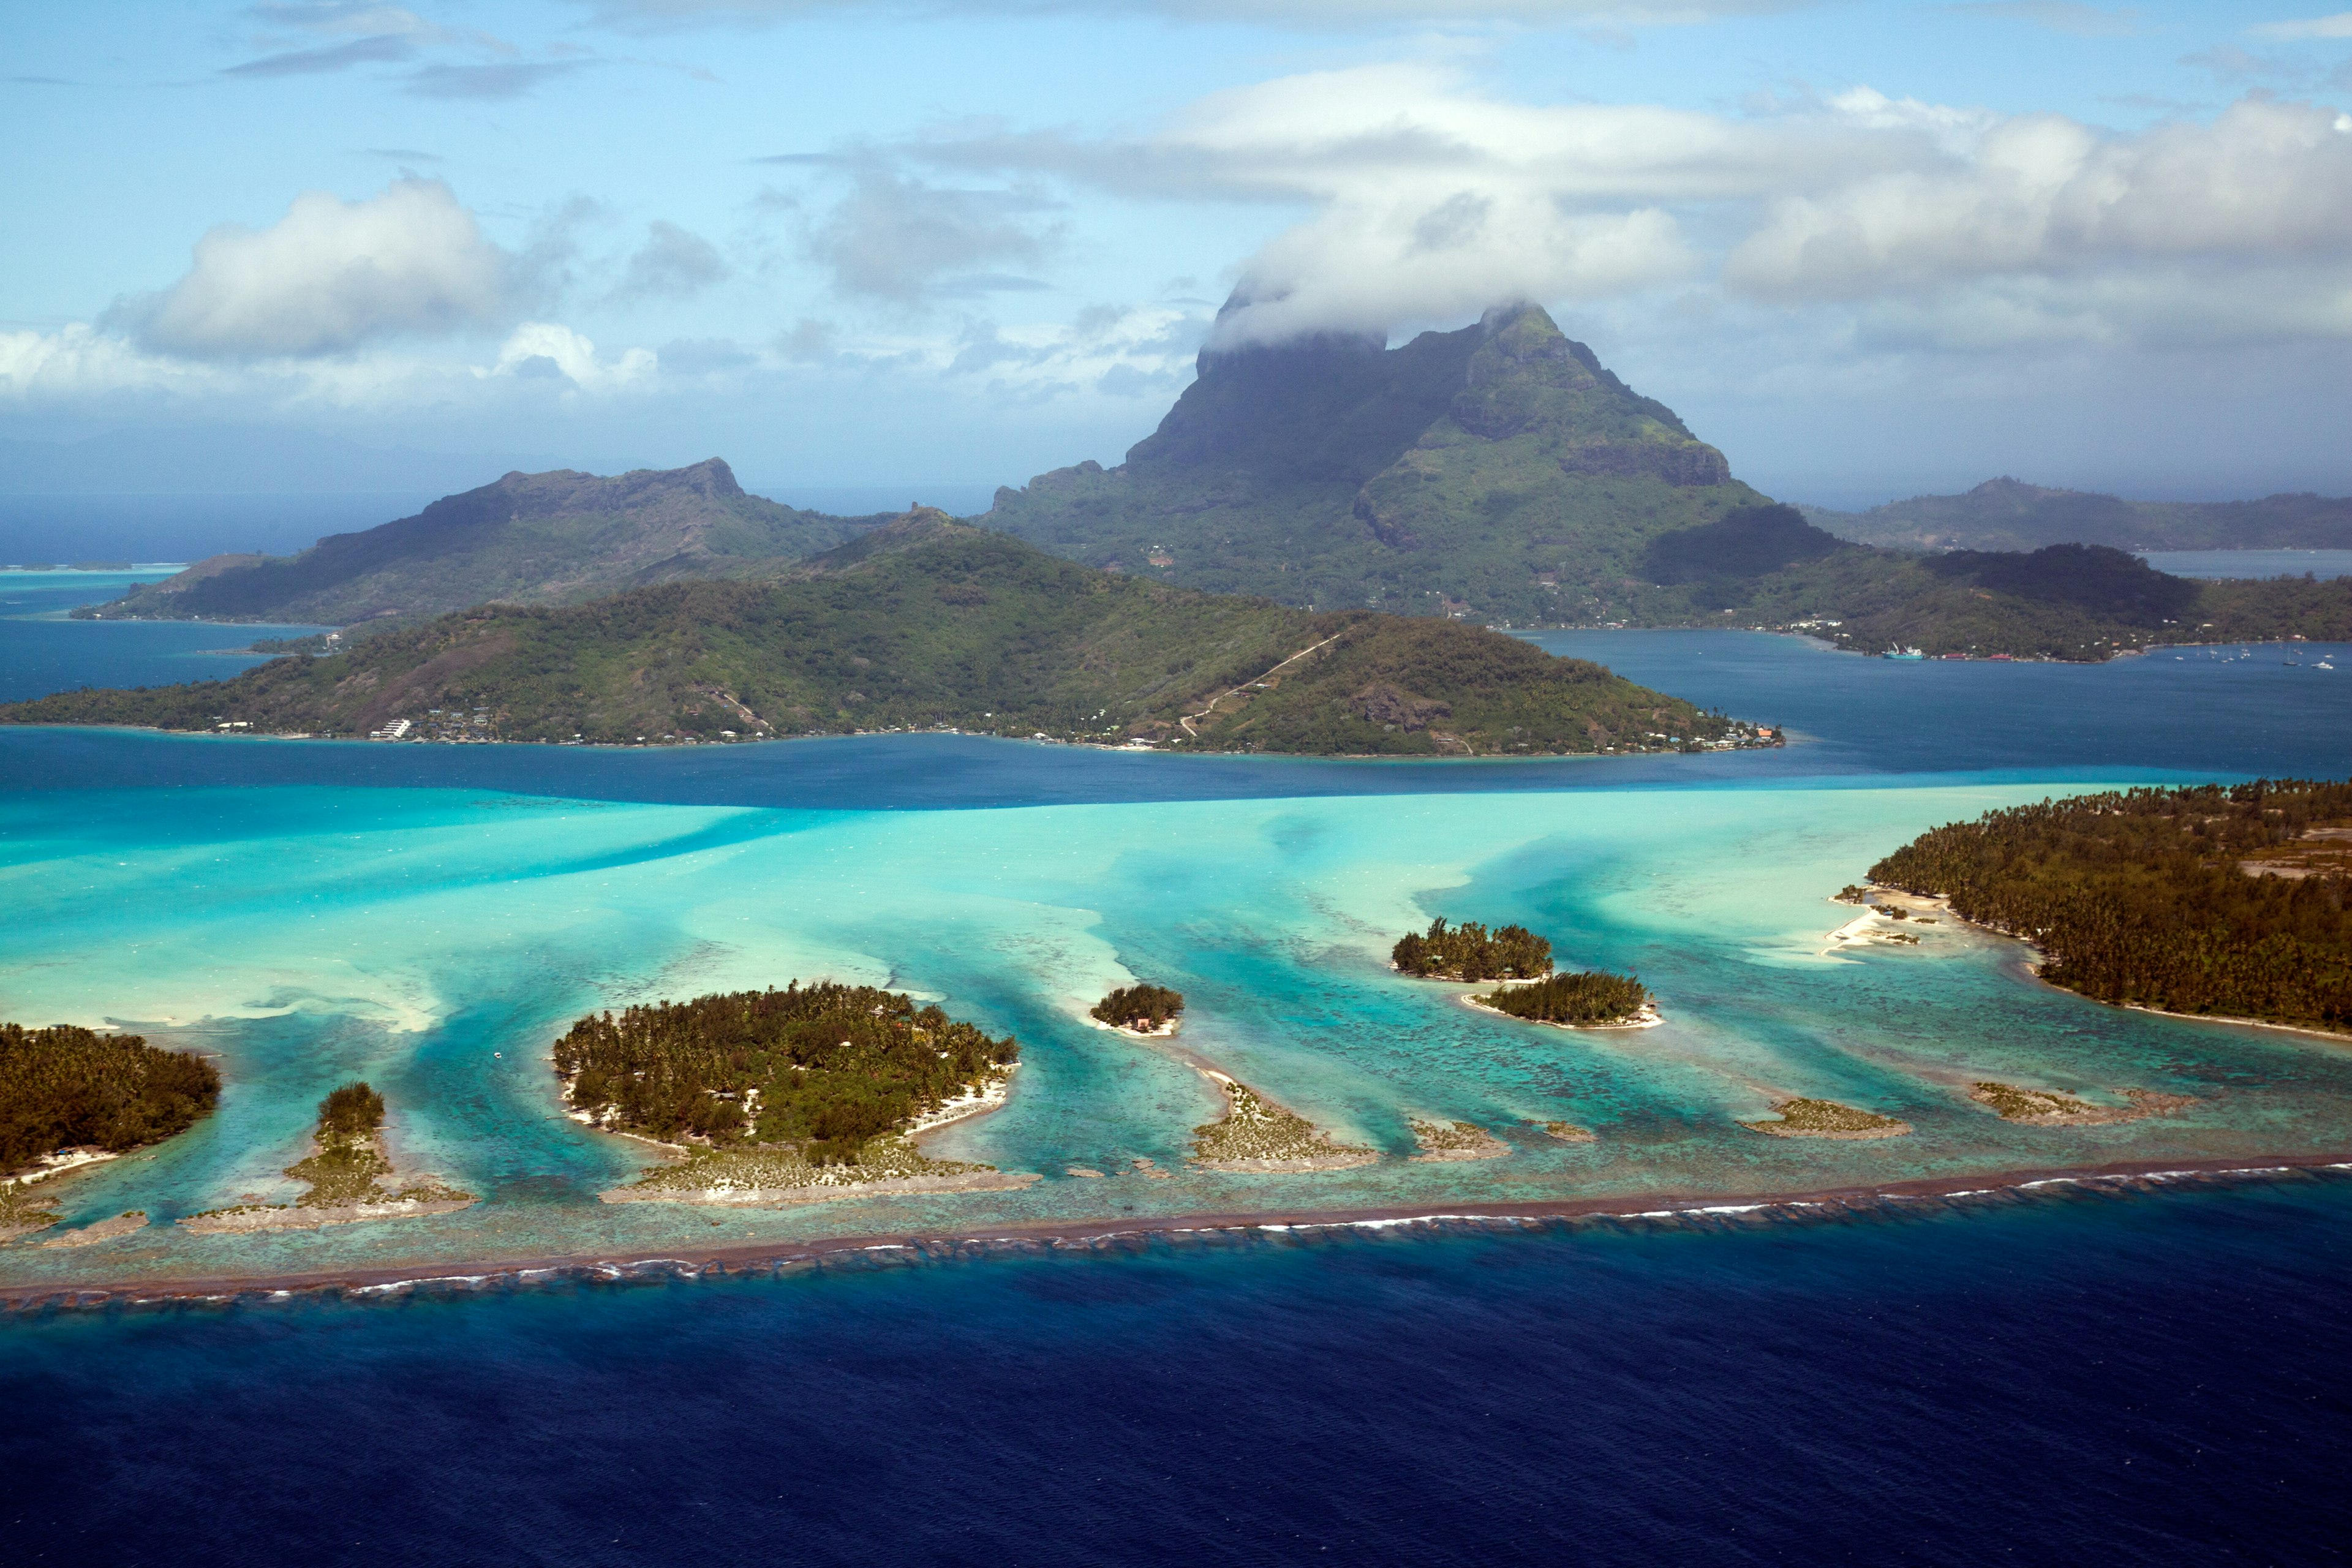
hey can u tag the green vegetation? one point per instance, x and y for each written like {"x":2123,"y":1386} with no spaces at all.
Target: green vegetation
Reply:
{"x":824,"y":1069}
{"x":2214,"y":900}
{"x":543,"y":539}
{"x":1569,"y":1132}
{"x":1498,"y":472}
{"x":1828,"y":1119}
{"x":2004,"y":514}
{"x":1140,"y":1007}
{"x":1256,"y":1133}
{"x":349,"y":1163}
{"x":924,"y":624}
{"x":69,"y":1088}
{"x":355,"y":1110}
{"x":1467,"y":951}
{"x":1590,"y":996}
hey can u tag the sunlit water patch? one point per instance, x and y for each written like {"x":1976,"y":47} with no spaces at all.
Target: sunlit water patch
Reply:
{"x":435,"y":942}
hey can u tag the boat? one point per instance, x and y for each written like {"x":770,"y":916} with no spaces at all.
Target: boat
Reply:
{"x":1903,"y":653}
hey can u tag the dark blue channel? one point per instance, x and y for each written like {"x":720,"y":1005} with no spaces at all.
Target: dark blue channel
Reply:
{"x":2066,"y":1381}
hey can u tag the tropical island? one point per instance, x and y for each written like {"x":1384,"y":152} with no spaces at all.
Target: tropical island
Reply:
{"x":925,"y":623}
{"x":2217,"y":901}
{"x":1585,"y":999}
{"x":560,"y":538}
{"x":1256,"y":1136}
{"x":1497,"y":475}
{"x":793,"y":1096}
{"x":1141,"y":1008}
{"x":72,"y":1097}
{"x":344,"y":1175}
{"x":1502,"y":474}
{"x":1470,"y":953}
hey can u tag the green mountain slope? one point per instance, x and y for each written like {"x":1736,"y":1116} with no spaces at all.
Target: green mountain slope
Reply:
{"x":555,"y":538}
{"x":2007,"y":514}
{"x":1498,"y":472}
{"x":925,"y":623}
{"x":2070,"y":602}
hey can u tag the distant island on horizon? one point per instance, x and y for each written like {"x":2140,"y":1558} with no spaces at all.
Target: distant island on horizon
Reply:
{"x":2008,"y":514}
{"x":1498,"y":475}
{"x":928,"y":624}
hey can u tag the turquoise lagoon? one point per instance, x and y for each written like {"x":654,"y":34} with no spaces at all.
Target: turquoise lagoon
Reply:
{"x":435,"y":942}
{"x":432,"y":918}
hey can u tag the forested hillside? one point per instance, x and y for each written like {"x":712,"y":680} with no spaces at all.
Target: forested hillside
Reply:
{"x":528,"y":539}
{"x":928,"y":624}
{"x":2218,"y":900}
{"x":2007,"y":514}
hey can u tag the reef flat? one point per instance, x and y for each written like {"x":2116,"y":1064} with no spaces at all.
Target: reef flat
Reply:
{"x":438,"y":942}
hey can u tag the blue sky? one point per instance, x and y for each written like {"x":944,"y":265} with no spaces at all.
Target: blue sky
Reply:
{"x":1867,"y":248}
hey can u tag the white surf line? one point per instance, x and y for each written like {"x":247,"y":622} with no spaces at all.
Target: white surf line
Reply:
{"x":1186,"y":720}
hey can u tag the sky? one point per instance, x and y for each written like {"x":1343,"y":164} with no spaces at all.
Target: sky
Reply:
{"x":1870,"y":250}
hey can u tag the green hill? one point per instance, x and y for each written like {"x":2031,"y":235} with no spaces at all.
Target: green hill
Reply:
{"x":927,"y":623}
{"x":2008,"y":514}
{"x":555,"y":538}
{"x":1498,"y":472}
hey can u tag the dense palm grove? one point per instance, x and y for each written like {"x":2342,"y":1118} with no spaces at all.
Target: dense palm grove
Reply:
{"x":825,"y":1067}
{"x":1469,"y":951}
{"x":1140,"y":1007}
{"x":1588,"y":997}
{"x":67,"y":1088}
{"x":2142,"y":897}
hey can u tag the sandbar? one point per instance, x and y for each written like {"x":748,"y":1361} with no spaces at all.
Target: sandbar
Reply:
{"x":104,"y":1230}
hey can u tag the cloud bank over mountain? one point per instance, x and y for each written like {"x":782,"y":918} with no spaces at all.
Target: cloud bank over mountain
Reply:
{"x":1429,"y":198}
{"x":994,"y":233}
{"x":330,"y":276}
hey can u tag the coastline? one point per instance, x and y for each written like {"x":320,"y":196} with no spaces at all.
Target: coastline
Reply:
{"x":938,"y":1243}
{"x":1942,"y":905}
{"x":1648,"y":1018}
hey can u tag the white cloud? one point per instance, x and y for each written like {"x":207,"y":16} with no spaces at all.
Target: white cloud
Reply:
{"x":330,"y":276}
{"x":79,"y":362}
{"x":2338,"y":26}
{"x":2041,"y":195}
{"x":545,"y":349}
{"x":1428,"y":199}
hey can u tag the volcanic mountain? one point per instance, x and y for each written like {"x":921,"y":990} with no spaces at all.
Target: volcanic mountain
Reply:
{"x":1500,"y":472}
{"x":528,"y":539}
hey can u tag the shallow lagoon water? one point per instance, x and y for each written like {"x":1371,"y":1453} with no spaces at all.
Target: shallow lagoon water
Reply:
{"x":436,"y":919}
{"x":2078,"y":1378}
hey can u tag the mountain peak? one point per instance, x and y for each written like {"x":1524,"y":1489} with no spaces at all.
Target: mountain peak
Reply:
{"x":547,"y":538}
{"x":1330,"y":470}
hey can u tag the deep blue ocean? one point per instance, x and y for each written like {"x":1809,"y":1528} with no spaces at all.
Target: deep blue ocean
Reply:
{"x":2128,"y":1374}
{"x":2134,"y":1379}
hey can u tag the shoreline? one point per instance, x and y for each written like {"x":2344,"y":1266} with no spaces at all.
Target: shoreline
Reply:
{"x":1106,"y":1232}
{"x":1942,"y":904}
{"x":1649,"y":1017}
{"x":1121,"y":748}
